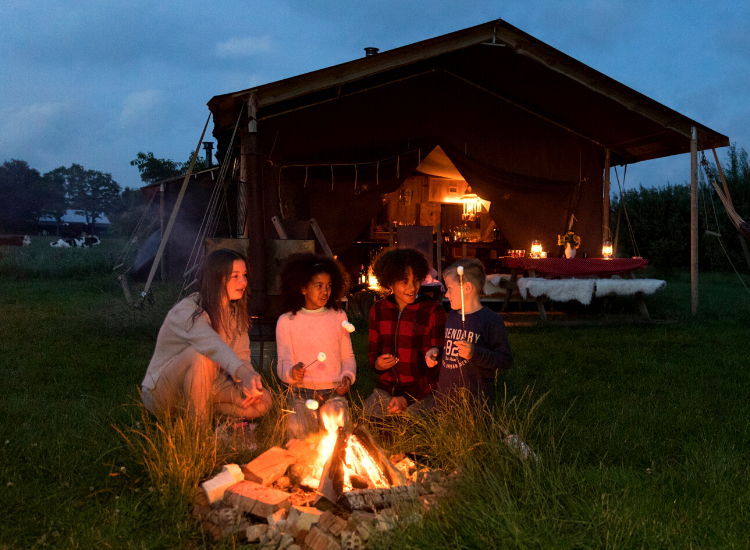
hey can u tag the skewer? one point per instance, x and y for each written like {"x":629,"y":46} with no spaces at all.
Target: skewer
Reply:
{"x":460,"y":270}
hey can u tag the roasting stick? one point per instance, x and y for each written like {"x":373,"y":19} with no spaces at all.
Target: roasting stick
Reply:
{"x":313,"y":404}
{"x":460,"y":270}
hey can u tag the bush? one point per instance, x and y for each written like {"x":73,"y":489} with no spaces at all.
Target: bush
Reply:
{"x":660,"y":218}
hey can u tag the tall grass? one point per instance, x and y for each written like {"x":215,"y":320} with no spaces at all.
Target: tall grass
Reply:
{"x":643,"y":433}
{"x":41,"y":261}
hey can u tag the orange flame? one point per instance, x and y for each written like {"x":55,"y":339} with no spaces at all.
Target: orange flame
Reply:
{"x":357,"y":461}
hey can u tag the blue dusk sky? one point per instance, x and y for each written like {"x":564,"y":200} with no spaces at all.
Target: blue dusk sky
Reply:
{"x":95,"y":81}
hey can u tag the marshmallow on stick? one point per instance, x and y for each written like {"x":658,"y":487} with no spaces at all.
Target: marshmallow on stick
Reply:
{"x":348,"y":326}
{"x":320,"y":358}
{"x":460,"y":270}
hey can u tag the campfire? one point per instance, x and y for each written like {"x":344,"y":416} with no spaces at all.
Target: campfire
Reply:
{"x":347,"y":462}
{"x":330,"y":491}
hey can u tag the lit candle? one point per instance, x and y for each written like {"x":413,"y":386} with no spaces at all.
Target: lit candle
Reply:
{"x":536,"y":249}
{"x":607,"y":250}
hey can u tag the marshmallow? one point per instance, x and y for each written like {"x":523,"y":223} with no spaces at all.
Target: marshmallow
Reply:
{"x":312,"y":404}
{"x":348,"y":326}
{"x":321,"y":357}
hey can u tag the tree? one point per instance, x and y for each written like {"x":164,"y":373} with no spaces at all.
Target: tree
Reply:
{"x":51,"y":189}
{"x":91,"y":193}
{"x":19,"y":203}
{"x":153,"y":169}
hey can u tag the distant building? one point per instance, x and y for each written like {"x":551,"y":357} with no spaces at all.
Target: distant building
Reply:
{"x":73,"y":224}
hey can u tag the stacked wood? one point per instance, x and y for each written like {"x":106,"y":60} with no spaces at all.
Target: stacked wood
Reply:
{"x":269,"y":466}
{"x":377,"y":499}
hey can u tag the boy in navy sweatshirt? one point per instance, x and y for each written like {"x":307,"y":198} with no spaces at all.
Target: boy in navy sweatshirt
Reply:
{"x":475,"y":348}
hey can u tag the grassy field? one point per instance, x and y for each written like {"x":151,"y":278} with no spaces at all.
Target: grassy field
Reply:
{"x":643,"y":430}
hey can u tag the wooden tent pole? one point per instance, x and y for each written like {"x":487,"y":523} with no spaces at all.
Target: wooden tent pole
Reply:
{"x":743,"y":244}
{"x":694,"y":219}
{"x":255,"y":220}
{"x":606,"y":231}
{"x":173,"y":216}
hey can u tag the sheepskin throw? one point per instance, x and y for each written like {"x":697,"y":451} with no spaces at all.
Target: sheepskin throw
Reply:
{"x":582,"y":290}
{"x":558,"y":290}
{"x":628,"y":287}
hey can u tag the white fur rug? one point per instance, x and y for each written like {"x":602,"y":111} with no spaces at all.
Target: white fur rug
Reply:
{"x":628,"y":287}
{"x":558,"y":290}
{"x":491,"y":284}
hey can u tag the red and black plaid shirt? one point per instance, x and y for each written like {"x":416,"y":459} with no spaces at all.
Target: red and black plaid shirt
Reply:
{"x":408,"y":336}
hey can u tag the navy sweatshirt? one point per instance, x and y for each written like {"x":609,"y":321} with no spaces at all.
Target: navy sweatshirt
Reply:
{"x":486,"y":330}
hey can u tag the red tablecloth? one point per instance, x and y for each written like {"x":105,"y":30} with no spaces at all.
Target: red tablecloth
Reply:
{"x":575,"y":267}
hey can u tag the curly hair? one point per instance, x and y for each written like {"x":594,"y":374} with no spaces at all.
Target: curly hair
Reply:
{"x":391,"y":264}
{"x":299,"y":269}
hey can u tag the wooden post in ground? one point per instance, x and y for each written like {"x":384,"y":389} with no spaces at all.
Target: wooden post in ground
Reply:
{"x":252,"y":175}
{"x":694,"y":219}
{"x":743,"y":244}
{"x":606,"y":231}
{"x":162,"y":224}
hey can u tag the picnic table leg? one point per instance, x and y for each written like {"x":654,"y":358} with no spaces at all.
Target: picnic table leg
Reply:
{"x":509,"y":289}
{"x":540,"y":306}
{"x":641,"y":305}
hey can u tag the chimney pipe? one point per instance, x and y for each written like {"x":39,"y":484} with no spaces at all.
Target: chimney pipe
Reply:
{"x":208,"y":146}
{"x":369,"y":52}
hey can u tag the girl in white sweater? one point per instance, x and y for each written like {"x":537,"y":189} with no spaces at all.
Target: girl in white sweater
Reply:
{"x":315,"y":356}
{"x":202,"y":355}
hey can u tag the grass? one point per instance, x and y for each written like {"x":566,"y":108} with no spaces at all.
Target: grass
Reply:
{"x":643,"y":429}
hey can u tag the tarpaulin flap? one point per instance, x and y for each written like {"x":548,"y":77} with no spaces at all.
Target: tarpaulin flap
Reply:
{"x":523,"y":207}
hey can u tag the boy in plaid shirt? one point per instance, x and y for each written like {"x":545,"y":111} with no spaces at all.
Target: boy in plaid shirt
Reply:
{"x":403,"y":327}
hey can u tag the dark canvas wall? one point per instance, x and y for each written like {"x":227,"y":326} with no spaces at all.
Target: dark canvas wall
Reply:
{"x":527,"y":167}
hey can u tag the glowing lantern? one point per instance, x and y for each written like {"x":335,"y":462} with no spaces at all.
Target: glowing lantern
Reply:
{"x":472,"y":206}
{"x":536,"y":249}
{"x":607,"y":250}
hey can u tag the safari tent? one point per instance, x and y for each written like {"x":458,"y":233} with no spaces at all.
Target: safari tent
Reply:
{"x":530,"y":130}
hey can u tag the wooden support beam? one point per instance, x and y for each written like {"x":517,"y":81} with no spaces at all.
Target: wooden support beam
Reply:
{"x":162,"y":225}
{"x":252,"y":174}
{"x":694,"y":219}
{"x":606,"y":231}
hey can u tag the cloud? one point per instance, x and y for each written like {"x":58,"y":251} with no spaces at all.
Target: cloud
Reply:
{"x":140,"y":109}
{"x":244,"y":47}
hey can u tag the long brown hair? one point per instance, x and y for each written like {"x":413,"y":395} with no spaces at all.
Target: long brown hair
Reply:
{"x":213,"y":278}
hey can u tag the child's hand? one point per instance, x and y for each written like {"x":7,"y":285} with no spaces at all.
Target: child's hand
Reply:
{"x":298,"y":372}
{"x":346,"y":383}
{"x":397,"y":405}
{"x":431,"y":357}
{"x":385,"y":362}
{"x":465,"y":349}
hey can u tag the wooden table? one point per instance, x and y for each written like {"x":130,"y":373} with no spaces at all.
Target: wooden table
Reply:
{"x":562,"y":268}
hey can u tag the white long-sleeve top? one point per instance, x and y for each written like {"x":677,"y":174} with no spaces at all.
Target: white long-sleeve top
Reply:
{"x":179,"y":331}
{"x":300,"y":337}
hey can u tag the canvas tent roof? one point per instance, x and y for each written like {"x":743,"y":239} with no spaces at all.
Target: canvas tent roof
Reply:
{"x":523,"y":123}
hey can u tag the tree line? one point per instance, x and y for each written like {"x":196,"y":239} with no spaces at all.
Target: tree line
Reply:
{"x":26,"y":195}
{"x":660,"y":219}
